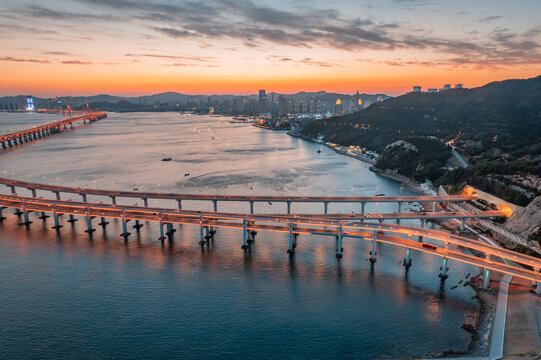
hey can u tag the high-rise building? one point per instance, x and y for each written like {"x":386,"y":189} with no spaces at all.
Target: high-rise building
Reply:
{"x":458,"y":86}
{"x":262,"y":102}
{"x":338,"y":109}
{"x":416,"y":89}
{"x":282,"y":105}
{"x":356,"y":102}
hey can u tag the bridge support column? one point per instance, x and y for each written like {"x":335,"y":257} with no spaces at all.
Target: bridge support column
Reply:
{"x":407,"y":260}
{"x":145,"y":202}
{"x":84,"y":197}
{"x":251,"y":206}
{"x":55,"y":217}
{"x":399,"y":207}
{"x":373,"y":252}
{"x":25,"y":213}
{"x":291,"y":249}
{"x":13,"y":192}
{"x":289,"y":207}
{"x":72,"y":219}
{"x":89,"y":222}
{"x":339,"y":244}
{"x":169,"y":230}
{"x":486,"y":280}
{"x":201,"y":236}
{"x":103,"y":222}
{"x":113,"y":200}
{"x":325,"y":206}
{"x":443,"y":274}
{"x":179,"y":203}
{"x":125,"y":232}
{"x":162,"y":237}
{"x":1,"y":216}
{"x":137,"y":225}
{"x":463,"y":224}
{"x":244,"y":240}
{"x":362,"y":207}
{"x":57,"y":193}
{"x":215,"y":204}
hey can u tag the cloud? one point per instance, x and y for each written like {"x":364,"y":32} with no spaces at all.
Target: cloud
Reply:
{"x":180,"y":57}
{"x":490,"y":18}
{"x":9,"y":58}
{"x":305,"y":61}
{"x":261,"y":27}
{"x":76,"y":62}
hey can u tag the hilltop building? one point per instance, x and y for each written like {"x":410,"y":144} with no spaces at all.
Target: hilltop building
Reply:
{"x":338,"y":109}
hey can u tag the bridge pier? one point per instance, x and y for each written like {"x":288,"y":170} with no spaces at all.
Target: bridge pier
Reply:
{"x":169,"y":230}
{"x":84,"y":197}
{"x":137,"y":225}
{"x":289,"y":207}
{"x":325,"y":207}
{"x":179,"y":203}
{"x":251,"y":206}
{"x":57,"y":193}
{"x":486,"y":280}
{"x":103,"y":222}
{"x":1,"y":216}
{"x":407,"y":260}
{"x":463,"y":224}
{"x":399,"y":207}
{"x":125,"y":232}
{"x":362,"y":207}
{"x":25,"y":213}
{"x":55,"y":217}
{"x":145,"y":202}
{"x":339,"y":248}
{"x":291,"y":249}
{"x":201,"y":236}
{"x":72,"y":219}
{"x":89,"y":222}
{"x":215,"y":204}
{"x":373,"y":252}
{"x":443,"y":274}
{"x":162,"y":237}
{"x":113,"y":199}
{"x":244,"y":240}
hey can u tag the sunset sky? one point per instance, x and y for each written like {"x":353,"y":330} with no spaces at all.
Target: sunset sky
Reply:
{"x":135,"y":47}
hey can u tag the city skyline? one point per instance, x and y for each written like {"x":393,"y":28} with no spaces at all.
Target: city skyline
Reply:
{"x":129,"y":48}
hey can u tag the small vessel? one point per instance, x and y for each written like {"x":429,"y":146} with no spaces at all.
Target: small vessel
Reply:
{"x":187,"y":174}
{"x":380,"y":194}
{"x":166,"y":159}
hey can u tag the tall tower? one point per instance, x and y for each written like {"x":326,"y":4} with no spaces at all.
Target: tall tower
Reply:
{"x":262,"y":102}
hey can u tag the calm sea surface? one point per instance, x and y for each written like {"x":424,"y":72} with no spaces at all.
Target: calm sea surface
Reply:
{"x":69,"y":295}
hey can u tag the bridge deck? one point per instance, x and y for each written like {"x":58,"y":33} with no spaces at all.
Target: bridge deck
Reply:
{"x":386,"y":233}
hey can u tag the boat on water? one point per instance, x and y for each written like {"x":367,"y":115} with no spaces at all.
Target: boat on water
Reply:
{"x":166,"y":159}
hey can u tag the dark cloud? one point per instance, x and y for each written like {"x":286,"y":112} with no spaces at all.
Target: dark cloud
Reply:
{"x":262,"y":27}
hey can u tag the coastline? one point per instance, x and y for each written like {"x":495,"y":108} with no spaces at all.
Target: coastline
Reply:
{"x":480,"y":340}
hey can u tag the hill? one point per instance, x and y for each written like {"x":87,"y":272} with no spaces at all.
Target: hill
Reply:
{"x":505,"y":115}
{"x":496,"y":127}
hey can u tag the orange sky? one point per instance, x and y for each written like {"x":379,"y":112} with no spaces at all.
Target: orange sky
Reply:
{"x":131,"y":47}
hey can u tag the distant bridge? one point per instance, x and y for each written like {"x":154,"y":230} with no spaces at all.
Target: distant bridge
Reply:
{"x":69,"y":117}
